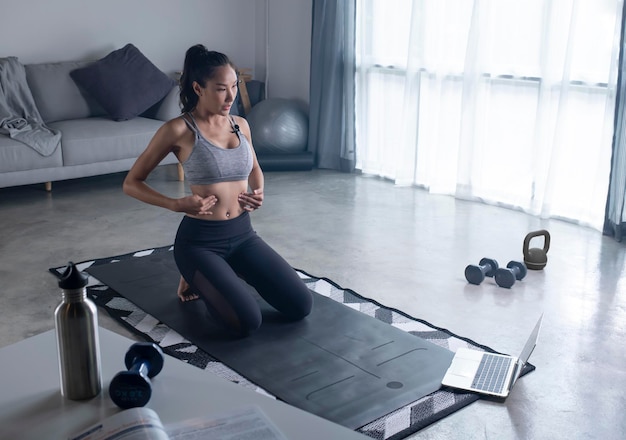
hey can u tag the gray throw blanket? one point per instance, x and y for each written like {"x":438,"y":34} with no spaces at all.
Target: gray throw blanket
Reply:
{"x":19,"y":116}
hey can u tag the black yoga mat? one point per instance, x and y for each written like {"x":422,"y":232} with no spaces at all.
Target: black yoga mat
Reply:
{"x":337,"y":363}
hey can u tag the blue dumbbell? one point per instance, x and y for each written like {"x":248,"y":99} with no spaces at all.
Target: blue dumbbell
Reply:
{"x":475,"y":274}
{"x":133,"y":388}
{"x":506,"y":277}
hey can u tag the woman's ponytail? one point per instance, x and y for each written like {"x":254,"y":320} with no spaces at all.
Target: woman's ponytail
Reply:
{"x":200,"y":65}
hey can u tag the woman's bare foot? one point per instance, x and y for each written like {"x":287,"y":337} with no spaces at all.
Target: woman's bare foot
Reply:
{"x":184,"y":291}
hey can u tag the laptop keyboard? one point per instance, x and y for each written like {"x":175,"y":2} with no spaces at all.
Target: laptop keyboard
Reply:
{"x":491,"y":373}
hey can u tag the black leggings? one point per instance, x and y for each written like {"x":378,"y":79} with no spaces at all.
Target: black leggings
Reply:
{"x":216,"y":257}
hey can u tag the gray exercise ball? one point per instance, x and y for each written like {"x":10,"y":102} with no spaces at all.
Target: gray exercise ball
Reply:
{"x":279,"y":125}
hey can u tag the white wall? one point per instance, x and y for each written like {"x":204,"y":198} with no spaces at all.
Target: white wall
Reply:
{"x":38,"y":31}
{"x":289,"y":45}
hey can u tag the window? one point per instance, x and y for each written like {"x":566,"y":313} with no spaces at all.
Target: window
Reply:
{"x":502,"y":101}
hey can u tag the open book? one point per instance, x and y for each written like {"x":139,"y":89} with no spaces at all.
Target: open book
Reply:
{"x":144,"y":424}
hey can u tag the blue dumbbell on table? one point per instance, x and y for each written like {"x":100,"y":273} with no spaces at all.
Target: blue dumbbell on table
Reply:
{"x":132,"y":388}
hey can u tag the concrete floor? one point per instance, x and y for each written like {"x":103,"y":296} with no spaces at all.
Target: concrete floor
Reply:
{"x":400,"y":246}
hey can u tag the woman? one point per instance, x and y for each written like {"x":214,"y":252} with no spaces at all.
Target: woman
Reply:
{"x":216,"y":248}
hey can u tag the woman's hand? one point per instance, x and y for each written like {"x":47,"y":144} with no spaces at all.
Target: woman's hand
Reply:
{"x":196,"y":205}
{"x":251,"y":201}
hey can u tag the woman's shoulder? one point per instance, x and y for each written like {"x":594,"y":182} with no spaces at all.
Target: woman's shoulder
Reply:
{"x":176,"y":126}
{"x":171,"y":132}
{"x":239,"y":120}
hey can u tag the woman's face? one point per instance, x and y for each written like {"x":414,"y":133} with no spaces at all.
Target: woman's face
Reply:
{"x":218,"y":94}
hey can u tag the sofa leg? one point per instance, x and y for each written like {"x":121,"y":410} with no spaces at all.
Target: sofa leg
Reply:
{"x":181,"y":173}
{"x":48,"y":186}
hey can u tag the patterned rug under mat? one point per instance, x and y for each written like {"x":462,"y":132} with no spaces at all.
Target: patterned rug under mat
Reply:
{"x":395,"y":425}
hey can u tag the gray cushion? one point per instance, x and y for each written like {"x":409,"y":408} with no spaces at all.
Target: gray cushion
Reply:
{"x":166,"y":109}
{"x":93,"y":140}
{"x":125,"y":83}
{"x":56,"y":95}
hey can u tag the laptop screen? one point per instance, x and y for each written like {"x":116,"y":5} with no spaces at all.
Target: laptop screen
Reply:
{"x":531,"y":342}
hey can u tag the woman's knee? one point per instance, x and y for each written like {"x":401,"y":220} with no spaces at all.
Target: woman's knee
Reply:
{"x":239,"y":324}
{"x":230,"y":303}
{"x":300,"y":304}
{"x":245,"y":328}
{"x":249,"y":323}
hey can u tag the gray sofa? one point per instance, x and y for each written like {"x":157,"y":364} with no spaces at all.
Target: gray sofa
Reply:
{"x":92,"y":143}
{"x":106,"y":112}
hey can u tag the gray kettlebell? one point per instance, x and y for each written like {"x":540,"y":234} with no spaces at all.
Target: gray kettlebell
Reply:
{"x":536,"y":258}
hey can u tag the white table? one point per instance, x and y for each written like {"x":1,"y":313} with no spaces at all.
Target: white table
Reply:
{"x":31,"y":405}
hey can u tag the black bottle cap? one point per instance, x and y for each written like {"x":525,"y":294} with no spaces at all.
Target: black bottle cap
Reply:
{"x":72,"y":278}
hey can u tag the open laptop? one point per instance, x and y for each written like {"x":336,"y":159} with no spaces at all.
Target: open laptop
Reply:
{"x":488,"y":373}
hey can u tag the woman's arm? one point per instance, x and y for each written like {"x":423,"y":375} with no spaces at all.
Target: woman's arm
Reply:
{"x":165,"y":141}
{"x":256,"y":181}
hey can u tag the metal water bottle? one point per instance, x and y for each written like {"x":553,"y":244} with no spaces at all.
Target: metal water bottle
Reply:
{"x":76,"y":323}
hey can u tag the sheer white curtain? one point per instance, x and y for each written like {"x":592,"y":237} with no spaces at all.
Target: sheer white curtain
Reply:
{"x":506,"y":101}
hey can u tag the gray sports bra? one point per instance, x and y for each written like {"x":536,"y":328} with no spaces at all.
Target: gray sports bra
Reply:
{"x":209,"y":163}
